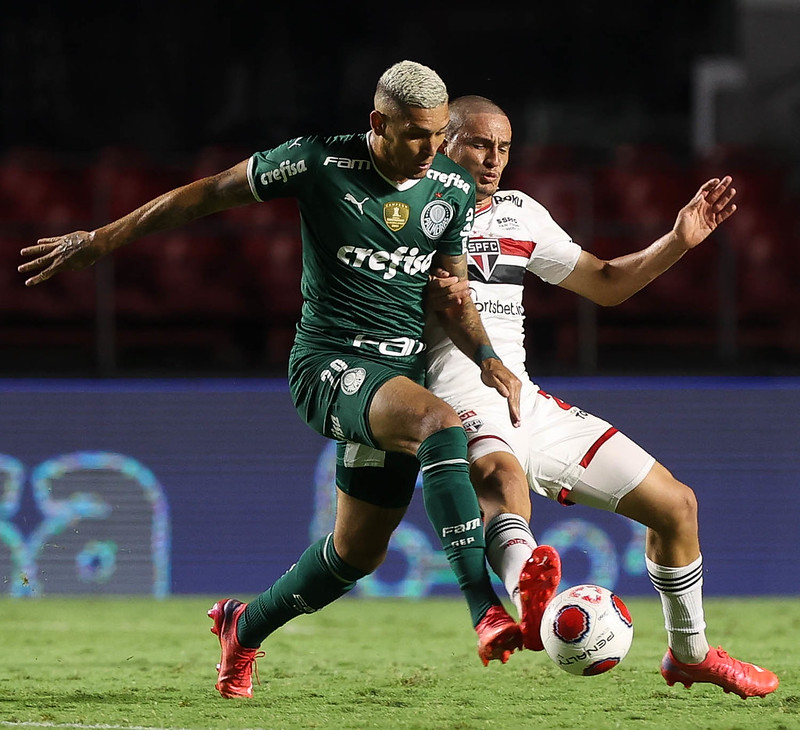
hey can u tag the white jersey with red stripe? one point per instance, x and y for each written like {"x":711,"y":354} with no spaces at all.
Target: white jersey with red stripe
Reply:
{"x":558,"y":445}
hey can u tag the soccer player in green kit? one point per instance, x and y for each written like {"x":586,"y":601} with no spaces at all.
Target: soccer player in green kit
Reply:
{"x":378,"y":209}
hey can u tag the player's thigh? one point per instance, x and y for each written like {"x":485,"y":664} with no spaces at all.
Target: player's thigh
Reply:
{"x":576,"y":457}
{"x":614,"y":470}
{"x":484,"y":415}
{"x":496,"y":451}
{"x":403,"y":414}
{"x":661,"y":501}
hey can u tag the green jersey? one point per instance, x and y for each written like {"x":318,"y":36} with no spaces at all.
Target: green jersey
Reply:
{"x":368,"y":242}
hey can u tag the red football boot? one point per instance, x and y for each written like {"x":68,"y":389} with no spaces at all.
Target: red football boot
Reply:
{"x":236,"y":663}
{"x":741,"y":678}
{"x":538,"y":582}
{"x":498,"y":636}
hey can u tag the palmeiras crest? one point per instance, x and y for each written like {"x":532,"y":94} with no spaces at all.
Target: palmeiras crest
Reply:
{"x":482,"y":254}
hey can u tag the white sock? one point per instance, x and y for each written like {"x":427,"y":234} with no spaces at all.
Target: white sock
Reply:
{"x":509,"y":543}
{"x":681,"y":591}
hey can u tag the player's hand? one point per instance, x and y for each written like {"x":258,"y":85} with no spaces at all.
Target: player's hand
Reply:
{"x":444,"y":290}
{"x":70,"y":252}
{"x":498,"y":376}
{"x":711,"y":205}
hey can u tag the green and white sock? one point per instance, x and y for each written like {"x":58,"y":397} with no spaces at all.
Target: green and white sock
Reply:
{"x":453,"y":510}
{"x":318,"y":578}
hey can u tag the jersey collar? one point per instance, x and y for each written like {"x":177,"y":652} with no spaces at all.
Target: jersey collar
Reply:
{"x":484,"y":206}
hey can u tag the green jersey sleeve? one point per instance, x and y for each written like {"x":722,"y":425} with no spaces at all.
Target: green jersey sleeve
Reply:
{"x":285,"y":171}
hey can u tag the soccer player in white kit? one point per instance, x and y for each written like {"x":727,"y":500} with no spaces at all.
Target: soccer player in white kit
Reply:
{"x":561,"y":451}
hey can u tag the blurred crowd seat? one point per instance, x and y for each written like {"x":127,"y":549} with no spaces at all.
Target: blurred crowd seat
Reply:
{"x":229,"y":285}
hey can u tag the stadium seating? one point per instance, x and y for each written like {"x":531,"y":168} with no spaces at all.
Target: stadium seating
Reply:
{"x":226,"y":289}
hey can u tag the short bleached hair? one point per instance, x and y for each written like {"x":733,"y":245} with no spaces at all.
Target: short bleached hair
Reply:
{"x":409,"y":83}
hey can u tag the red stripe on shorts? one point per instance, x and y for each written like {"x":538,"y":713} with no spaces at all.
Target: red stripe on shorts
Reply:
{"x":596,"y":445}
{"x":563,"y":495}
{"x":488,"y":436}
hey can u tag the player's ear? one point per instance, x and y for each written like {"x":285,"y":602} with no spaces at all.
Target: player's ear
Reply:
{"x":377,"y":122}
{"x":443,"y":147}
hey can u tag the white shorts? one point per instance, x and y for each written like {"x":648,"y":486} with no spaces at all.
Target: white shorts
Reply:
{"x":568,"y":455}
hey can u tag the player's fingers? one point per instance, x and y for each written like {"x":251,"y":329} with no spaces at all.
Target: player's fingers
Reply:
{"x":724,"y":198}
{"x":501,"y":388}
{"x":726,"y":213}
{"x":39,"y":278}
{"x":514,"y":402}
{"x":513,"y":410}
{"x":718,"y":190}
{"x":43,"y":245}
{"x":29,"y":266}
{"x":705,"y":188}
{"x":45,"y":258}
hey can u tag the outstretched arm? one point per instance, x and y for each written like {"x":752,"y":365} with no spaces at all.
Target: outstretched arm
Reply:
{"x":173,"y":209}
{"x":611,"y":282}
{"x":462,"y":323}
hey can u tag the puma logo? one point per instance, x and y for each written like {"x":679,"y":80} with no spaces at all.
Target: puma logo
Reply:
{"x":350,"y":198}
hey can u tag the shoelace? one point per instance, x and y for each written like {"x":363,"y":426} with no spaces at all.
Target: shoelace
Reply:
{"x":243,"y":663}
{"x":734,"y":668}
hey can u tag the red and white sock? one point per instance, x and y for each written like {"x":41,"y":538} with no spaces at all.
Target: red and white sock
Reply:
{"x":681,"y":591}
{"x":509,"y":543}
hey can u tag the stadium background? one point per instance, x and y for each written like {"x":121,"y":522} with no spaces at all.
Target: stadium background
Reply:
{"x":144,"y":403}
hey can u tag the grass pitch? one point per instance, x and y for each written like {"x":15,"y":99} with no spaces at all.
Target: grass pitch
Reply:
{"x":141,"y":663}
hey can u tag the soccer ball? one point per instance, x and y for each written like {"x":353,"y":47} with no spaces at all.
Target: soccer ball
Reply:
{"x":587,"y":630}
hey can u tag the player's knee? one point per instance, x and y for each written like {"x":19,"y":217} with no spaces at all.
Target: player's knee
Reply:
{"x":365,"y":558}
{"x":679,"y":513}
{"x":436,"y":416}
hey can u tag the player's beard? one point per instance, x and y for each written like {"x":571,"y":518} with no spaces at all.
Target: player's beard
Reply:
{"x":485,"y":190}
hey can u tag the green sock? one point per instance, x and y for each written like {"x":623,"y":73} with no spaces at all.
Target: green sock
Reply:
{"x":453,"y":510}
{"x":318,"y":578}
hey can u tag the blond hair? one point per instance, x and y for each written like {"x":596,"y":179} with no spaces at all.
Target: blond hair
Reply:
{"x":408,"y":83}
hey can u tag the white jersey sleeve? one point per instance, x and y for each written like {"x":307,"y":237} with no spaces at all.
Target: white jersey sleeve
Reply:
{"x":554,"y":253}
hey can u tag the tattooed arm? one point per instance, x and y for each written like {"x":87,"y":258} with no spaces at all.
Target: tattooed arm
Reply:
{"x":175,"y":208}
{"x":463,"y":325}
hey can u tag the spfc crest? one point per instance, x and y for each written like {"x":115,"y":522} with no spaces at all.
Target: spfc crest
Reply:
{"x":395,"y":215}
{"x":482,"y":254}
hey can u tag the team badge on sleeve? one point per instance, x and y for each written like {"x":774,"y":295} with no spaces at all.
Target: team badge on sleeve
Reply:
{"x":435,"y":218}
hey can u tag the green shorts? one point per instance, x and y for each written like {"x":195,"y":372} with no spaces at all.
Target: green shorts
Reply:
{"x":333,"y":391}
